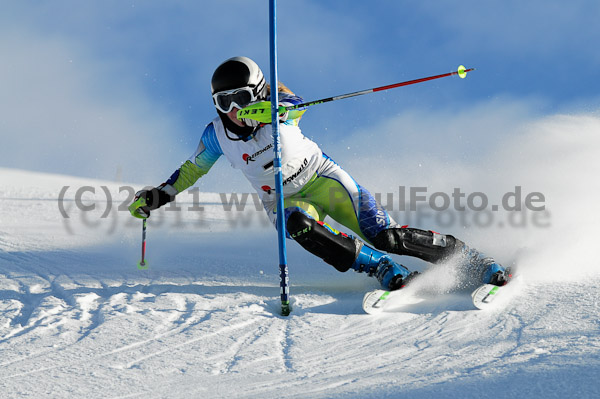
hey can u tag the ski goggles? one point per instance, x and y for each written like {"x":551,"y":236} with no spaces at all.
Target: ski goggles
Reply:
{"x":226,"y":100}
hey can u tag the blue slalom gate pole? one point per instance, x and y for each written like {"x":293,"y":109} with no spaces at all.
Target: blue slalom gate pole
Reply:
{"x":283,"y":268}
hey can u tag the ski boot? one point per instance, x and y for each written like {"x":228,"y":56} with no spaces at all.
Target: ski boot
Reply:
{"x":500,"y":277}
{"x":490,"y":271}
{"x":391,"y":275}
{"x":345,"y":252}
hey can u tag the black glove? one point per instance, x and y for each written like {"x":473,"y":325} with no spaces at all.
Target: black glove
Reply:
{"x":148,"y":200}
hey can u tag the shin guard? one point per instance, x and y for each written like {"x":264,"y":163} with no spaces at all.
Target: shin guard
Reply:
{"x":338,"y":250}
{"x":427,"y":245}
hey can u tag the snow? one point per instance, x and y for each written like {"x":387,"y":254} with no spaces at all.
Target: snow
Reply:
{"x":78,"y":319}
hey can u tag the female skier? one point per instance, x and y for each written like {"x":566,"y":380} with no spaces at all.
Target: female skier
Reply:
{"x":314,"y":186}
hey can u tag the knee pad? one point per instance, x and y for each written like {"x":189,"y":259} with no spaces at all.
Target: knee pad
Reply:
{"x":427,"y":245}
{"x":338,"y":250}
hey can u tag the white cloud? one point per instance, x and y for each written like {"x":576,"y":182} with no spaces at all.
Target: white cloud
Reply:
{"x":64,"y":110}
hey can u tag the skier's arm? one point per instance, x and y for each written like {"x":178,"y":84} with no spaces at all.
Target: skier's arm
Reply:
{"x":259,"y":112}
{"x":199,"y":164}
{"x":196,"y":166}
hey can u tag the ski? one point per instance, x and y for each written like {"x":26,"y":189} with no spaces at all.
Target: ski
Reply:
{"x":378,"y":301}
{"x":485,"y":295}
{"x":375,"y":301}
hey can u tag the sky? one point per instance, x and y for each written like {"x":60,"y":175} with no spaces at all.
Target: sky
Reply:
{"x":120,"y":90}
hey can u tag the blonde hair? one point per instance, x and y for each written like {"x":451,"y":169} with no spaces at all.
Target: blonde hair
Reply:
{"x":281,"y":88}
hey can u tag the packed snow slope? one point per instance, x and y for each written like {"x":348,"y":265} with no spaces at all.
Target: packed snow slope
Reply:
{"x":79,"y":319}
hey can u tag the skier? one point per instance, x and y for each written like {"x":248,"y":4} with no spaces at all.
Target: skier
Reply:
{"x":314,"y":186}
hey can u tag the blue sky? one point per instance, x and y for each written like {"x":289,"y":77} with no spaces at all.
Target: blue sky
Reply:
{"x":101,"y":89}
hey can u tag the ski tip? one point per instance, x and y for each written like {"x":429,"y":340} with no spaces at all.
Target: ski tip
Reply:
{"x":484,"y":296}
{"x":374,"y":301}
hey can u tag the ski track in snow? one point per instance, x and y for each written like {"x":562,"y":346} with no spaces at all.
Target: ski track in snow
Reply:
{"x":77,"y":319}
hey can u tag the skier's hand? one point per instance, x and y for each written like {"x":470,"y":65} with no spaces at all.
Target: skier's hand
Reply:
{"x":283,"y":113}
{"x":139,"y":208}
{"x":148,"y":200}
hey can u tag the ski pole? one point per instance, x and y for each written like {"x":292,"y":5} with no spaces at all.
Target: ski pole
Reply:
{"x":142,"y":263}
{"x":259,"y":112}
{"x":461,"y":72}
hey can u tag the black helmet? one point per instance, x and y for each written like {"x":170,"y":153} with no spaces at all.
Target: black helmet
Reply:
{"x":239,"y":72}
{"x":236,"y":73}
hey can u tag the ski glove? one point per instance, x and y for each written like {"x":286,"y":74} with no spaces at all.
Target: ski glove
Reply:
{"x":148,"y":200}
{"x":138,"y":208}
{"x":260,"y":112}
